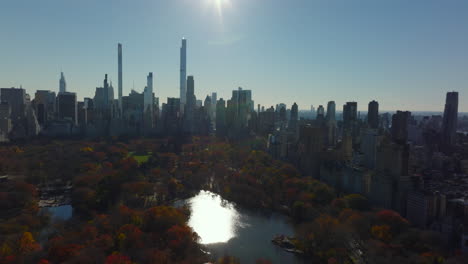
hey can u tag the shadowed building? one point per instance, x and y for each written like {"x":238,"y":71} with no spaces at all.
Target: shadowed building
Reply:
{"x":67,"y":107}
{"x":449,"y":125}
{"x":44,"y":106}
{"x":331,"y":123}
{"x":221,"y":127}
{"x":400,"y":126}
{"x":373,"y":115}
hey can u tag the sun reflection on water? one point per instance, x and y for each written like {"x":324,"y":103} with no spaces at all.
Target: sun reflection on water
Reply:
{"x":214,"y":220}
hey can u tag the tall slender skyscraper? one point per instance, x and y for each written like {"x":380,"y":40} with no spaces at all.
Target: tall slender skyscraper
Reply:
{"x":331,"y":123}
{"x":449,"y":125}
{"x":62,"y":84}
{"x":148,"y":94}
{"x":214,"y":99}
{"x":106,"y":92}
{"x":373,"y":115}
{"x":190,"y":105}
{"x":183,"y":74}
{"x":120,"y":75}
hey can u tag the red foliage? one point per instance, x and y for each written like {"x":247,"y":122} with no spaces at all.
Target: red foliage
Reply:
{"x":26,"y":188}
{"x":8,"y":259}
{"x":61,"y":253}
{"x":128,"y":164}
{"x":104,"y":242}
{"x":133,"y":236}
{"x":161,"y":218}
{"x":338,"y":203}
{"x":393,"y":219}
{"x":179,"y":237}
{"x":100,"y":156}
{"x":89,"y":232}
{"x":118,"y":258}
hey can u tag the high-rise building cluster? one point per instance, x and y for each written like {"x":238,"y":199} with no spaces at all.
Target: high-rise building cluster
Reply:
{"x":415,"y":164}
{"x":61,"y":114}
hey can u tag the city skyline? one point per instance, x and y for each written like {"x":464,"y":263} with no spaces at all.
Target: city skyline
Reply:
{"x":294,"y":66}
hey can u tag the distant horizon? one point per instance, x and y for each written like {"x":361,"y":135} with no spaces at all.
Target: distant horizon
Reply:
{"x":393,"y":111}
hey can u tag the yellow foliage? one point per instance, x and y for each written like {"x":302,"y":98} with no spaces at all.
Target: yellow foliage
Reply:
{"x":86,"y":149}
{"x":5,"y":250}
{"x":27,"y":243}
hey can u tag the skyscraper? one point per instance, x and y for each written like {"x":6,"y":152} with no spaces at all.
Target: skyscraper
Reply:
{"x":148,"y":94}
{"x":67,"y":107}
{"x":221,"y":118}
{"x":373,"y":114}
{"x":120,"y":74}
{"x":242,"y":105}
{"x":449,"y":125}
{"x":190,"y":92}
{"x":214,"y":99}
{"x":331,"y":123}
{"x":106,"y":92}
{"x":190,"y":105}
{"x":183,"y":74}
{"x":331,"y":109}
{"x":400,"y":126}
{"x":294,"y":117}
{"x":320,"y":113}
{"x":349,"y":114}
{"x":62,"y":83}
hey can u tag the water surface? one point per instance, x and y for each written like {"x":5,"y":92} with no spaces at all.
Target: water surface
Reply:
{"x":226,"y":229}
{"x":62,"y":212}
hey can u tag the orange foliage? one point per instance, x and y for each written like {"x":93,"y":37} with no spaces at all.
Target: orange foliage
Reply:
{"x":382,"y":232}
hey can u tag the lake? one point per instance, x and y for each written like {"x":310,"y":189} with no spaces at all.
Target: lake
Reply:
{"x":226,"y":229}
{"x":62,"y":212}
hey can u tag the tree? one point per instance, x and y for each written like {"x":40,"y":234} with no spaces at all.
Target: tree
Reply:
{"x":160,"y":218}
{"x":180,"y":237}
{"x":228,"y":260}
{"x":27,"y":243}
{"x":382,"y":232}
{"x":117,"y":258}
{"x":356,"y":202}
{"x":393,"y":219}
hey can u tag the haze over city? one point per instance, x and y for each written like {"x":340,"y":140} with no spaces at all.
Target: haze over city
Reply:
{"x":309,"y":52}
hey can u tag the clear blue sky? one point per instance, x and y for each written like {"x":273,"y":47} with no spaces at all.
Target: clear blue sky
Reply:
{"x":406,"y":54}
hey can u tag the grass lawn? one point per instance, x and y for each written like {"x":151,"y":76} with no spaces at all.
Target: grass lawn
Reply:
{"x":140,"y":158}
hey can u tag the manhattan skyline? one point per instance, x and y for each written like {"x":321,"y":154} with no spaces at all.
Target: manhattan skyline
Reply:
{"x":306,"y":53}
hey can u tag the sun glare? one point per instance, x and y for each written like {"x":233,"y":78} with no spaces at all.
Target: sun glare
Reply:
{"x":218,"y":5}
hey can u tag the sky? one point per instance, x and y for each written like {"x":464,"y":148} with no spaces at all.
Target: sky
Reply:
{"x":404,"y":54}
